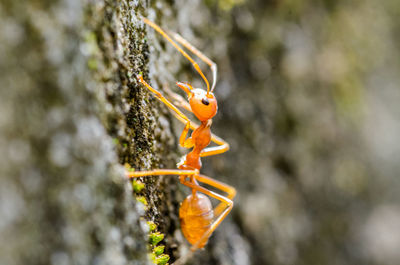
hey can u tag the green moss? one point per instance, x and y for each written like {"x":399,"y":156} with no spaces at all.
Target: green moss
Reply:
{"x":152,"y":226}
{"x":157,"y":255}
{"x":142,"y":200}
{"x":155,"y":238}
{"x":93,"y":49}
{"x":92,"y":64}
{"x":128,"y":167}
{"x":162,"y":259}
{"x":348,"y":97}
{"x":137,"y":186}
{"x":159,"y":250}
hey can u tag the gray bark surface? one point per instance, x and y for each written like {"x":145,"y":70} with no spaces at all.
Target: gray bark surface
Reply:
{"x":308,"y":99}
{"x":71,"y":114}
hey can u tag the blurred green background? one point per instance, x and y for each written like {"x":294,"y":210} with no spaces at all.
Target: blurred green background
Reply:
{"x":309,"y":97}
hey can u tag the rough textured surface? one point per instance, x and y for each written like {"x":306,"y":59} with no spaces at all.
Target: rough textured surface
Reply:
{"x":138,"y":123}
{"x":64,"y":199}
{"x":308,"y":99}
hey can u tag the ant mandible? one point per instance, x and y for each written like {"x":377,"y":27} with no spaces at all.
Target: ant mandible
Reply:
{"x":198,"y":218}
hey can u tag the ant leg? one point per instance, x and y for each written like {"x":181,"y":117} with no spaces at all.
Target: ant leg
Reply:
{"x":222,"y":147}
{"x":178,"y":99}
{"x":231,"y":191}
{"x":187,"y":143}
{"x":165,"y":35}
{"x":228,"y":205}
{"x":199,"y":54}
{"x":158,"y":172}
{"x":164,"y":100}
{"x":221,"y":211}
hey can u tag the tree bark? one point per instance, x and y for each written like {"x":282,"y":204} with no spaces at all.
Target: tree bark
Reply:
{"x":71,"y":114}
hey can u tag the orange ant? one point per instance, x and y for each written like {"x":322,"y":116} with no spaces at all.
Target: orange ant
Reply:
{"x":198,"y":218}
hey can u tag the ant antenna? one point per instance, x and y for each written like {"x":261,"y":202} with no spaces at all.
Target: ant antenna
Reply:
{"x":191,"y":48}
{"x":199,"y":54}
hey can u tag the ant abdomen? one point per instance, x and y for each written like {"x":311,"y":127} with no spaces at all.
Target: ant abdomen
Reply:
{"x":196,"y":215}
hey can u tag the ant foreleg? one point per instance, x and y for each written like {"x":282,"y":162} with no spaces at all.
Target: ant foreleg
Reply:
{"x":178,"y":99}
{"x":164,"y":100}
{"x":187,"y":143}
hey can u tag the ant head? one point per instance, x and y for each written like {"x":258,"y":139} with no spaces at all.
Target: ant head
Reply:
{"x":204,"y":105}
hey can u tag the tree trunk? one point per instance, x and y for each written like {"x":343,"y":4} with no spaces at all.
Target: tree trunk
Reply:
{"x":71,"y":114}
{"x":314,"y":143}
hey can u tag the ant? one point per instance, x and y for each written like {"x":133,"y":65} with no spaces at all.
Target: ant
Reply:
{"x":197,"y":216}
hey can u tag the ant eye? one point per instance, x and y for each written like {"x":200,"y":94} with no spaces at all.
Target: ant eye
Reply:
{"x":205,"y":101}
